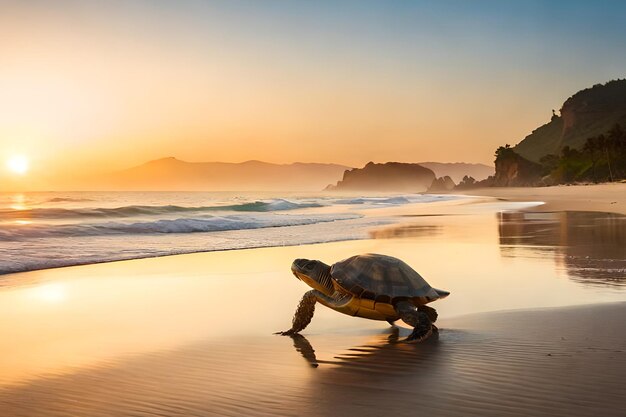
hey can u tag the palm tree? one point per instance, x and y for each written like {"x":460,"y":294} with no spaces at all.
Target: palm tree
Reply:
{"x":604,"y":144}
{"x":590,"y":147}
{"x":616,"y":139}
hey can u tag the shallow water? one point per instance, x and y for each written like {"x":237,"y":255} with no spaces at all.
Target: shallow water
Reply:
{"x":191,"y":334}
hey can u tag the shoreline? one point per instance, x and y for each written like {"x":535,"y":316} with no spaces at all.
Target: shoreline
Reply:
{"x":607,"y":198}
{"x":385,"y":214}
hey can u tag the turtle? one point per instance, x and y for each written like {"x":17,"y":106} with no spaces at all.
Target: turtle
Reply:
{"x":372,"y":286}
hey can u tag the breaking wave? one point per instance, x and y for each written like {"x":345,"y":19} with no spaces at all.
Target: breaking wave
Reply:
{"x":61,"y":229}
{"x":182,"y":225}
{"x":140,"y":210}
{"x":396,"y":200}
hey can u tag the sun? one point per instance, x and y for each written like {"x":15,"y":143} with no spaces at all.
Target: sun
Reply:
{"x":18,"y":164}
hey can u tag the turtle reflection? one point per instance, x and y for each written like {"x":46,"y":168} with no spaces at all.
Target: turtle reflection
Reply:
{"x":386,"y":350}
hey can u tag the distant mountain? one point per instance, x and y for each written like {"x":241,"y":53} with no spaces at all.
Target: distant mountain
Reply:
{"x":457,"y":170}
{"x":587,"y":113}
{"x":171,"y":174}
{"x":391,"y":176}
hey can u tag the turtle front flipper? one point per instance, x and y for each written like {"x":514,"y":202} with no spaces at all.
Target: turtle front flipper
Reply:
{"x":418,"y":319}
{"x":303,"y":315}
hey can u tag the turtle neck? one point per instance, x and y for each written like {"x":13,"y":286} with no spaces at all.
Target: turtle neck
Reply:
{"x":326,"y":280}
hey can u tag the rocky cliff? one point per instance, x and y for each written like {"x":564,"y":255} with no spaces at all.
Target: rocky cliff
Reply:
{"x":391,"y":176}
{"x":513,"y":170}
{"x":442,"y":184}
{"x":587,"y":113}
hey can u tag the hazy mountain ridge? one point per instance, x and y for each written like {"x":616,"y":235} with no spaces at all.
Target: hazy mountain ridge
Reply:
{"x":171,"y":174}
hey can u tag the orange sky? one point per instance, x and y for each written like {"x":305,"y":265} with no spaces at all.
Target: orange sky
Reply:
{"x":91,"y":87}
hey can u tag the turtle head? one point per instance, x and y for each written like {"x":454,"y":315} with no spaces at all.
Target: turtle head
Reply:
{"x":315,"y":274}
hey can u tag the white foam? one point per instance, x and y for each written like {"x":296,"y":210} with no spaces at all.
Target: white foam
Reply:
{"x":181,"y":225}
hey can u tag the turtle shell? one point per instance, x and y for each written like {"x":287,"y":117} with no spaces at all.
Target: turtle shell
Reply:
{"x":381,"y":278}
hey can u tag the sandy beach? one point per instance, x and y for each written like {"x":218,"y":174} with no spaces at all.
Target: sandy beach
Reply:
{"x":257,"y":208}
{"x":610,"y":198}
{"x":533,"y":325}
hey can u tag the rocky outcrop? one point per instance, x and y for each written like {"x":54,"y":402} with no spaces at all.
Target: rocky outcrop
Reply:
{"x":468,"y":183}
{"x":457,"y":170}
{"x":391,"y":176}
{"x":513,"y":170}
{"x":442,"y":184}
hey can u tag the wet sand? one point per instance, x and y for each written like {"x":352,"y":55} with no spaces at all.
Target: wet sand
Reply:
{"x":191,"y":335}
{"x":555,"y":362}
{"x":610,"y":198}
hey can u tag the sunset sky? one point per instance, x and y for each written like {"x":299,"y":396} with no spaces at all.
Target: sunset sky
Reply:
{"x":100,"y":86}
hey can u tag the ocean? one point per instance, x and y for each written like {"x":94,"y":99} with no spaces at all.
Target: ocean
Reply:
{"x":53,"y":229}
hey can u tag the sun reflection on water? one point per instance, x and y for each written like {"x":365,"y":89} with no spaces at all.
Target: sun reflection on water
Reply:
{"x":18,"y":202}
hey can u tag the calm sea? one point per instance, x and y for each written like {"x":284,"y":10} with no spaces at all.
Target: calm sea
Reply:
{"x":53,"y":229}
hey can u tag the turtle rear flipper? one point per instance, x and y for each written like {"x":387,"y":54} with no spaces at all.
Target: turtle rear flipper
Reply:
{"x":430,"y":312}
{"x":422,"y":326}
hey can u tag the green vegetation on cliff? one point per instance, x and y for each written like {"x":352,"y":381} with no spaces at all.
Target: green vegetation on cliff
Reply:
{"x":602,"y":158}
{"x":585,"y":143}
{"x":588,"y":113}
